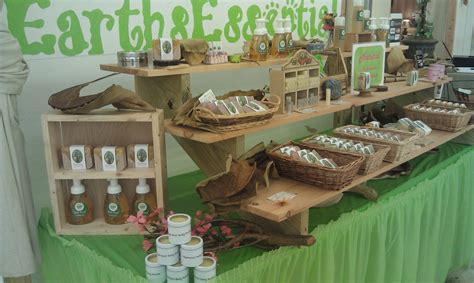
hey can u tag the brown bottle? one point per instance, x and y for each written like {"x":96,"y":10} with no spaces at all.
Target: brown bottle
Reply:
{"x":144,"y":200}
{"x":279,"y":48}
{"x":116,"y":208}
{"x":80,"y":209}
{"x":259,"y":45}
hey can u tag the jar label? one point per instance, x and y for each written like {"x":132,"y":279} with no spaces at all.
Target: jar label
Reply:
{"x":360,"y":15}
{"x":282,"y":46}
{"x":366,"y":25}
{"x":262,"y":48}
{"x":77,"y":156}
{"x":342,"y":34}
{"x":109,"y":160}
{"x":79,"y":209}
{"x":141,"y":156}
{"x":143,"y":207}
{"x":113,"y":209}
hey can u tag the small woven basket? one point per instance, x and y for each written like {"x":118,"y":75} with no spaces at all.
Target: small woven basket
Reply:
{"x":438,"y":120}
{"x":372,"y":162}
{"x":469,"y":105}
{"x":398,"y":150}
{"x":315,"y":174}
{"x":226,"y":123}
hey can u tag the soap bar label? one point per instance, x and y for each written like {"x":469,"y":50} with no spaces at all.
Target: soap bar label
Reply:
{"x":109,"y":160}
{"x":141,"y":156}
{"x":282,"y":196}
{"x":77,"y":156}
{"x":166,"y":49}
{"x":113,"y":209}
{"x":79,"y":209}
{"x":208,"y":96}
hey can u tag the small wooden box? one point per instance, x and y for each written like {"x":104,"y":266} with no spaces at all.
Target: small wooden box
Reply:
{"x":120,"y":128}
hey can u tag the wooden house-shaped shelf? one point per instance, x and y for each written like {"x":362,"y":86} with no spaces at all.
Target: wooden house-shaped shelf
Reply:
{"x":298,"y":80}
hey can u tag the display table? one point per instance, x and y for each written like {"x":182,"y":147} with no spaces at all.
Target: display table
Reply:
{"x":420,"y":228}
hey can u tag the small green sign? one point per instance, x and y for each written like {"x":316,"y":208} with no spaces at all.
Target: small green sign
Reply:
{"x":368,"y":57}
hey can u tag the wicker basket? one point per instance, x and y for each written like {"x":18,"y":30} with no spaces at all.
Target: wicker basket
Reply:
{"x":315,"y":174}
{"x":440,"y":121}
{"x":371,"y":162}
{"x":398,"y":150}
{"x":226,"y":123}
{"x":469,"y":105}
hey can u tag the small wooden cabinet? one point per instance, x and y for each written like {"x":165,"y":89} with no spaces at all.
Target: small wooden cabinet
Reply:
{"x":117,"y":128}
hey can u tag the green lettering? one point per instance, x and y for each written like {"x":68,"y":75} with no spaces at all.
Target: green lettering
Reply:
{"x":180,"y":19}
{"x":235,"y":15}
{"x":303,"y":26}
{"x":312,"y":20}
{"x":271,"y":16}
{"x":16,"y":22}
{"x":124,"y":14}
{"x":148,"y":20}
{"x":69,"y":24}
{"x":95,"y":18}
{"x":199,"y":18}
{"x":253,"y":13}
{"x":289,"y":12}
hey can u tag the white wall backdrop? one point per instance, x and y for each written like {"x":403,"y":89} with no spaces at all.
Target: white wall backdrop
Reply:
{"x":65,"y":21}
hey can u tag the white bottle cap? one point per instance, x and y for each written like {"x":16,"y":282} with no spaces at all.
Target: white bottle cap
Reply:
{"x":340,"y":21}
{"x":373,"y":24}
{"x":114,"y":187}
{"x":366,"y":14}
{"x":142,"y":187}
{"x":287,"y":25}
{"x":358,"y":3}
{"x":77,"y":188}
{"x":261,"y":29}
{"x":280,"y":26}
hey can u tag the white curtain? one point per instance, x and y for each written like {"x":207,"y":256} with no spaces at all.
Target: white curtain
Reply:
{"x":19,"y":248}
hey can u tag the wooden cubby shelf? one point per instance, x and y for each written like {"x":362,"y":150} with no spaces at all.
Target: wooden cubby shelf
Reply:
{"x":91,"y":174}
{"x":308,"y":196}
{"x":349,"y":100}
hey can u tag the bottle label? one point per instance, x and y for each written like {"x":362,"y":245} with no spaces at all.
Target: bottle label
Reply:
{"x":77,"y":156}
{"x":113,"y":209}
{"x":360,"y":15}
{"x":290,"y":43}
{"x":282,"y":46}
{"x":109,"y":160}
{"x":79,"y":209}
{"x":141,"y":206}
{"x":141,"y":156}
{"x":342,"y":34}
{"x":262,"y":48}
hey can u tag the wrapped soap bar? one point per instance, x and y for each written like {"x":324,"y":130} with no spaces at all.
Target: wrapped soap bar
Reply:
{"x":166,"y":49}
{"x":77,"y":157}
{"x":110,"y":158}
{"x":140,"y":156}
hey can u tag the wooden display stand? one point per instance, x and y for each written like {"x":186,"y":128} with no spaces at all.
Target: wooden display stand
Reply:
{"x":354,"y":38}
{"x":209,"y":150}
{"x":298,"y":79}
{"x":117,"y":128}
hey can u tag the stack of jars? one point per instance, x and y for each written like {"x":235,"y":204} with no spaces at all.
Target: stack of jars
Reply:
{"x":177,"y":252}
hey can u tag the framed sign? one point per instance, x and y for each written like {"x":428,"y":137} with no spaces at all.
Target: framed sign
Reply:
{"x":395,"y":29}
{"x":368,"y":57}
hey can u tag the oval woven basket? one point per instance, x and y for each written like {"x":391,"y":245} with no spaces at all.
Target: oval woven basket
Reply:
{"x":227,"y":123}
{"x":315,"y":174}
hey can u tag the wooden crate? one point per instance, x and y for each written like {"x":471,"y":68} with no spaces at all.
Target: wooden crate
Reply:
{"x":118,"y":128}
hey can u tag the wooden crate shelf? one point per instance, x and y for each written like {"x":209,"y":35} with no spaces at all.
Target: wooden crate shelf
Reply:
{"x":100,"y":128}
{"x":395,"y":89}
{"x":92,"y":174}
{"x":309,"y":196}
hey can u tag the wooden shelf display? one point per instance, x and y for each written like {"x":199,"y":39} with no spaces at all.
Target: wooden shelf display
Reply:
{"x":297,"y":80}
{"x":117,"y":128}
{"x":308,"y":196}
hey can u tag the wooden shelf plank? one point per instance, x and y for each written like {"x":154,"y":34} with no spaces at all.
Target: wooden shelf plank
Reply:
{"x":387,"y":50}
{"x":129,"y":173}
{"x":98,"y":227}
{"x":309,"y":196}
{"x":395,"y":89}
{"x":109,"y":115}
{"x":187,"y":69}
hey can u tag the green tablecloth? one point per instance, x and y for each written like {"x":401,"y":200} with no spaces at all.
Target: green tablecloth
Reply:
{"x":420,"y":228}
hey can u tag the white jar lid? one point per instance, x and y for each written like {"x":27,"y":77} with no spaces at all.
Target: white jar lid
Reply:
{"x":340,"y":21}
